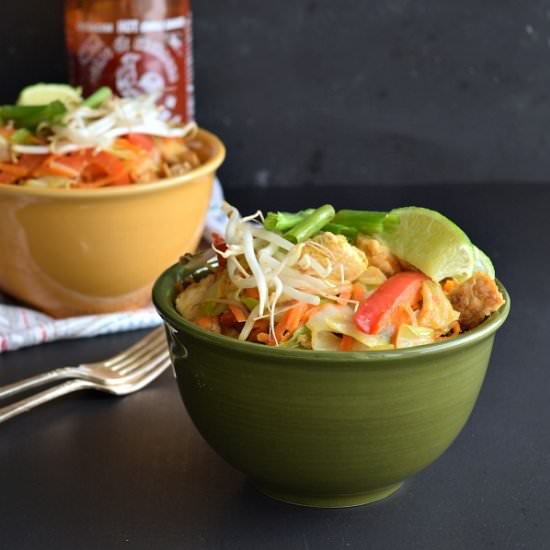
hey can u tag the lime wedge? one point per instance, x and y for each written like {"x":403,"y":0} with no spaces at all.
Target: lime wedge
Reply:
{"x":482,"y":263}
{"x":42,"y":94}
{"x":432,"y":243}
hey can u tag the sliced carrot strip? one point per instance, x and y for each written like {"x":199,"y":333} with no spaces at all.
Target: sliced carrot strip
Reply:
{"x":238,"y":313}
{"x":252,"y":293}
{"x":31,"y":162}
{"x":358,"y":292}
{"x":205,"y":322}
{"x":347,"y":343}
{"x":14,"y":169}
{"x":51,"y":167}
{"x":142,"y":141}
{"x":290,"y":322}
{"x":8,"y":178}
{"x":345,"y":295}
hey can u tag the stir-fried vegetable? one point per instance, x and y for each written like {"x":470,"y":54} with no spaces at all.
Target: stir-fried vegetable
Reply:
{"x":301,"y":280}
{"x":367,"y":222}
{"x":98,"y":98}
{"x":96,"y":142}
{"x":345,"y":222}
{"x":283,"y":221}
{"x":311,"y":224}
{"x":377,"y":311}
{"x":32,"y":116}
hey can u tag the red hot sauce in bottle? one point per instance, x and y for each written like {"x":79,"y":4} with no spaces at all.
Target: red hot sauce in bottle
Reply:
{"x":135,"y":47}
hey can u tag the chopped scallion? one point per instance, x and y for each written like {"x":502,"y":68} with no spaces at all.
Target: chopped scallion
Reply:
{"x":311,"y":225}
{"x":283,"y":221}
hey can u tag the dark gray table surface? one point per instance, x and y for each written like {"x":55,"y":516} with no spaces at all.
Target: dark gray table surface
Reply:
{"x":97,"y":472}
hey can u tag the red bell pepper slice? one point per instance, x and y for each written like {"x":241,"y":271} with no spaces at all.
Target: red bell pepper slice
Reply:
{"x":375,"y":313}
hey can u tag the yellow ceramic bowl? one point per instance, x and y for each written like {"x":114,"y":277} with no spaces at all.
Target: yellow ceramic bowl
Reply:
{"x":73,"y":252}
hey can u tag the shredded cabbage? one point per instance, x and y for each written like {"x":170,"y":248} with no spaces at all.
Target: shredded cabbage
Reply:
{"x":409,"y":336}
{"x":437,"y":312}
{"x":331,"y":320}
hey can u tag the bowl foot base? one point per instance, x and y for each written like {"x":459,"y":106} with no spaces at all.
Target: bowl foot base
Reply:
{"x":335,"y":501}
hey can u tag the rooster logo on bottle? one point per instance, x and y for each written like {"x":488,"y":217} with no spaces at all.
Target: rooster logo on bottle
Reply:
{"x":128,"y":81}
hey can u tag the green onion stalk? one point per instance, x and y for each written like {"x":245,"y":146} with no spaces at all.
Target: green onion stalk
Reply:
{"x":98,"y":98}
{"x":311,"y":225}
{"x":284,"y":221}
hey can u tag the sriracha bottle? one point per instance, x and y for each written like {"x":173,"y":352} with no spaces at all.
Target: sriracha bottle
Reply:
{"x":135,"y":47}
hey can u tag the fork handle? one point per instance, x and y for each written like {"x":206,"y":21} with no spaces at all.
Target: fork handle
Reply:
{"x":40,"y":398}
{"x":33,"y":382}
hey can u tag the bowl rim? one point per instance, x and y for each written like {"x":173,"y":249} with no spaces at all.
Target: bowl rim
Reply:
{"x":163,"y":293}
{"x":212,"y":164}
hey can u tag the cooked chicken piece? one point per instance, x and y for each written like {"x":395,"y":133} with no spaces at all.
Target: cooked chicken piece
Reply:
{"x":372,"y":277}
{"x":176,"y":152}
{"x":476,"y":299}
{"x":147,"y":169}
{"x":379,"y":255}
{"x":342,"y":261}
{"x":189,"y":300}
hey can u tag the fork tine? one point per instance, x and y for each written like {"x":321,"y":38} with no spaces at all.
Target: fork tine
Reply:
{"x":150,"y":376}
{"x":158,"y":362}
{"x":153,"y":343}
{"x":143,"y":357}
{"x":139,"y":383}
{"x":144,"y":364}
{"x":136,"y":348}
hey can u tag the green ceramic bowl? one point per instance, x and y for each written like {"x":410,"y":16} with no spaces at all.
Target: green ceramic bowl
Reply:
{"x":323,"y":428}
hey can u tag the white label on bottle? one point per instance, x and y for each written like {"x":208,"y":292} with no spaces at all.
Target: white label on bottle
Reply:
{"x":152,"y":26}
{"x":176,"y":23}
{"x":127,"y":26}
{"x":100,"y":28}
{"x":99,"y":63}
{"x":90,"y":48}
{"x":133,"y":26}
{"x":158,"y":50}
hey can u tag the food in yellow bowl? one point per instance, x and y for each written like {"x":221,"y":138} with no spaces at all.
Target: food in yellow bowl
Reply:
{"x":100,"y":141}
{"x":94,"y":239}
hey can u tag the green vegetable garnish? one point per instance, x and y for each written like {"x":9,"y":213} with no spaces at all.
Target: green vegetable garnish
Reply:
{"x":311,"y":225}
{"x":300,"y":226}
{"x":349,"y":232}
{"x":294,"y":342}
{"x":98,"y":98}
{"x":211,"y":306}
{"x":368,"y":222}
{"x":21,"y":137}
{"x":213,"y":309}
{"x":283,"y":221}
{"x":250,"y":303}
{"x":31,"y":116}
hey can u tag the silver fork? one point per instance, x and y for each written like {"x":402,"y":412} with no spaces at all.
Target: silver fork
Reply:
{"x":122,"y":374}
{"x":115,"y":370}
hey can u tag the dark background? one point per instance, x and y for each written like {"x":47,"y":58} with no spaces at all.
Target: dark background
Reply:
{"x":318,"y":91}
